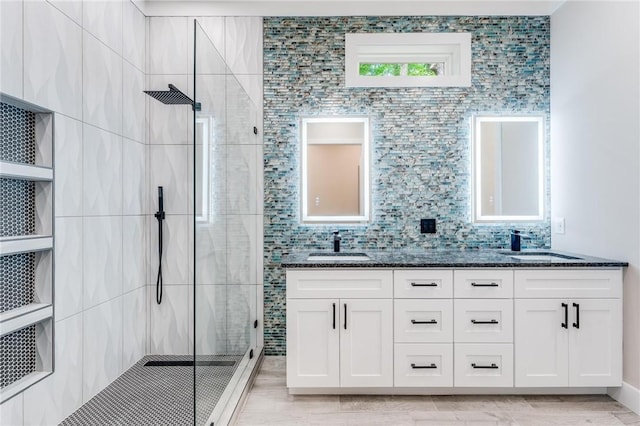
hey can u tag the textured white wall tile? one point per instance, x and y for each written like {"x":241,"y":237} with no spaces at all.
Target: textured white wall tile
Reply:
{"x":71,"y":8}
{"x":242,"y":183}
{"x":241,"y":249}
{"x":241,"y":114}
{"x":175,"y":254}
{"x":133,"y":105}
{"x":169,"y":327}
{"x":243,"y":39}
{"x":211,"y":250}
{"x":252,"y":84}
{"x":102,"y":259}
{"x":133,"y":177}
{"x":102,"y":85}
{"x":241,"y":312}
{"x":103,"y":19}
{"x":169,"y":124}
{"x":211,"y":319}
{"x":168,"y":45}
{"x":212,"y":180}
{"x":102,"y":172}
{"x":11,"y":412}
{"x":209,"y":47}
{"x":68,"y":166}
{"x":102,"y":342}
{"x":133,"y":34}
{"x":11,"y":47}
{"x":168,"y":168}
{"x":68,"y":271}
{"x":53,"y":399}
{"x":134,"y":326}
{"x":212,"y":97}
{"x":133,"y":252}
{"x":52,"y":41}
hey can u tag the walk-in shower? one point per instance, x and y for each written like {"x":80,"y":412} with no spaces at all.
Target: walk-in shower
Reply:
{"x":198,"y":378}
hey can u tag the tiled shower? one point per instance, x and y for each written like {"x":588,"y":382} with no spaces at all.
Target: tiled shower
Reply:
{"x":88,"y":63}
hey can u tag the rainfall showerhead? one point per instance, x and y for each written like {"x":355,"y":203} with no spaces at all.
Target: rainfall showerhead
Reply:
{"x":173,"y":96}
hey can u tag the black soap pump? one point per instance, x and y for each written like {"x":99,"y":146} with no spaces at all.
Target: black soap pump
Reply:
{"x":336,"y":241}
{"x":516,"y":239}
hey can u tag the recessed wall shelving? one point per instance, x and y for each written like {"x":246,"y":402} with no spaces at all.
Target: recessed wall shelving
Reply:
{"x":26,"y":246}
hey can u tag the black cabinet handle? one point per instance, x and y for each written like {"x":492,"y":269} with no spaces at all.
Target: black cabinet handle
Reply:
{"x":432,"y":365}
{"x":424,"y":284}
{"x":484,"y":322}
{"x":484,"y":285}
{"x":577,"y":323}
{"x":334,"y":316}
{"x":492,"y":366}
{"x":424,"y":322}
{"x":345,"y":316}
{"x":565,"y":324}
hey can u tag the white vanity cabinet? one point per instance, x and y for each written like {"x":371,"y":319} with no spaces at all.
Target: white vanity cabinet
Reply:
{"x":345,"y":341}
{"x":568,"y":328}
{"x":459,"y":330}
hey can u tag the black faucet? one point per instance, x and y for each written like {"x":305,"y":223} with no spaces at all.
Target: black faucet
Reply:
{"x":516,"y":239}
{"x":336,"y":241}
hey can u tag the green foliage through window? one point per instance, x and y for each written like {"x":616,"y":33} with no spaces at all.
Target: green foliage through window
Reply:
{"x":396,"y":70}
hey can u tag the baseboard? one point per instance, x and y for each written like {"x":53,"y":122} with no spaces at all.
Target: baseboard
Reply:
{"x":626,"y":395}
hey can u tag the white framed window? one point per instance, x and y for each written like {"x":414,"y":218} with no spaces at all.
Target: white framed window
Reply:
{"x":408,"y":60}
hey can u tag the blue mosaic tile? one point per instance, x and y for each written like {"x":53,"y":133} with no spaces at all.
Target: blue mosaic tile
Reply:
{"x":421,"y":148}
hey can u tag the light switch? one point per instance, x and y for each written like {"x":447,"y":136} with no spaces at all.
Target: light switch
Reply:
{"x":558,"y":225}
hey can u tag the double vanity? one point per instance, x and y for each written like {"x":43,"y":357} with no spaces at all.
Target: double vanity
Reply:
{"x":481,"y":321}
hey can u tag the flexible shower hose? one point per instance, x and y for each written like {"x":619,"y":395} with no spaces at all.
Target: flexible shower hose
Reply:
{"x":159,"y":278}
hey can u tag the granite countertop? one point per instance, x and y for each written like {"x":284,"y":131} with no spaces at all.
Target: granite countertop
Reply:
{"x":481,"y":258}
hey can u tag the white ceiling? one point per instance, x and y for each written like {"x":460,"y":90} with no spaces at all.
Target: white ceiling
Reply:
{"x":346,"y":7}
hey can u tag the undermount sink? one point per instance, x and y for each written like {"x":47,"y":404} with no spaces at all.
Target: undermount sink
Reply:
{"x":541,"y":256}
{"x":338,"y":256}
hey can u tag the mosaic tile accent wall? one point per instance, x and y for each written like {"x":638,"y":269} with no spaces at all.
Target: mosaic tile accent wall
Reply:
{"x":421,"y":150}
{"x":17,"y":355}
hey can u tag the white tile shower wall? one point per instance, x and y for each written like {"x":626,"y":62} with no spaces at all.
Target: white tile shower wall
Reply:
{"x":229,"y":251}
{"x":57,"y":48}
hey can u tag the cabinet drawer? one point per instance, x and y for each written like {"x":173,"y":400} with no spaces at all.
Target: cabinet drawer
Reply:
{"x":483,"y":365}
{"x":584,"y":283}
{"x":483,"y":320}
{"x":339,"y":283}
{"x":423,"y":320}
{"x":423,"y":365}
{"x":432,"y":283}
{"x":490,"y":284}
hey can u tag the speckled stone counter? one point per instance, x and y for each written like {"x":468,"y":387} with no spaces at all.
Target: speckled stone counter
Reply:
{"x":450,"y":259}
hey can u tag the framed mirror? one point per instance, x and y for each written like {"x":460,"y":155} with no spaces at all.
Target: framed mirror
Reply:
{"x":335,"y":170}
{"x":508,"y":168}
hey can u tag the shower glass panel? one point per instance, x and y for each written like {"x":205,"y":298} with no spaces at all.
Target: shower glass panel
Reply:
{"x":225,"y":226}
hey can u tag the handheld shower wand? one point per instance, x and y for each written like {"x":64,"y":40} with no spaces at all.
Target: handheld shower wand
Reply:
{"x":160,"y":216}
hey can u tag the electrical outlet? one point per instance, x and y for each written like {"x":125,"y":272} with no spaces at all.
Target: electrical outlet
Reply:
{"x":427,"y":226}
{"x":558,"y":225}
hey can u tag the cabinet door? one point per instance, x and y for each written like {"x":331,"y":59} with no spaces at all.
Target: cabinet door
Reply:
{"x":366,"y":342}
{"x":595,"y":348}
{"x":541,"y":343}
{"x":313,"y":344}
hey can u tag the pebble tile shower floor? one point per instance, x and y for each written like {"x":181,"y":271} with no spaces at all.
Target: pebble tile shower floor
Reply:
{"x":145,"y":396}
{"x":269,"y":403}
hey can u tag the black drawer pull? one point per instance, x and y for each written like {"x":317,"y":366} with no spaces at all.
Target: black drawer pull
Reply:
{"x":334,"y":316}
{"x":345,"y":316}
{"x":485,"y":285}
{"x":424,"y":284}
{"x":577,"y":323}
{"x":484,"y":322}
{"x":424,"y":322}
{"x":565,"y":324}
{"x":424,"y":366}
{"x":492,"y":366}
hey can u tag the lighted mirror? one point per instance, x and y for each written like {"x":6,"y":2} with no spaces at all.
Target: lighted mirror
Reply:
{"x":508,"y":168}
{"x":335,"y":169}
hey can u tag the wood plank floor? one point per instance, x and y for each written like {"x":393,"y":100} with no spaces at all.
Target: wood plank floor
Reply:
{"x":269,"y":403}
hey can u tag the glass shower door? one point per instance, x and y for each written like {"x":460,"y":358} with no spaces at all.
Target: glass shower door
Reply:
{"x":224,"y":228}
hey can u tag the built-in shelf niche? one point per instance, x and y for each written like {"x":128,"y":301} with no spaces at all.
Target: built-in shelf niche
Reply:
{"x":26,"y":245}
